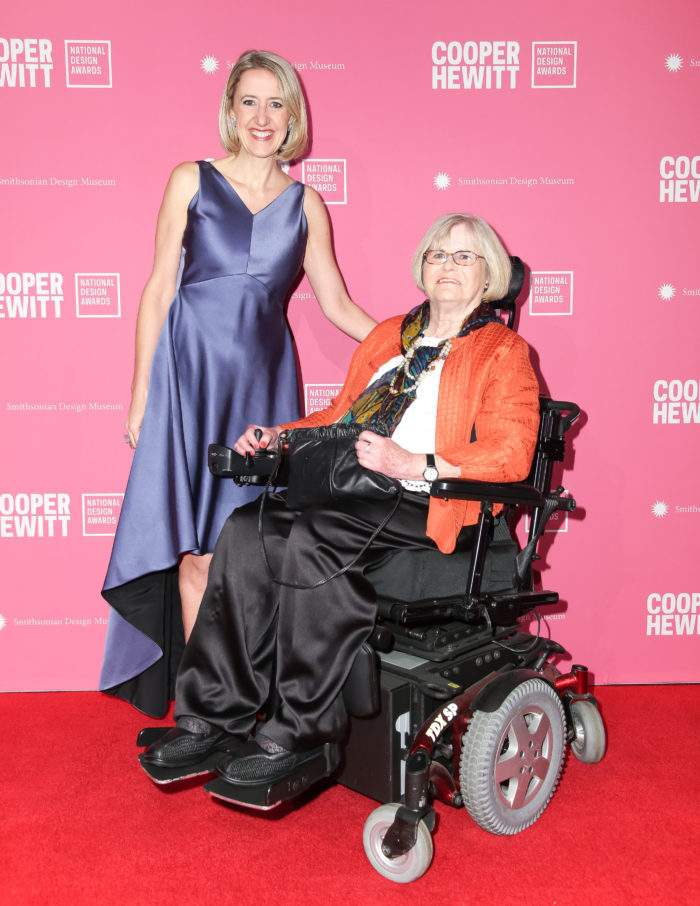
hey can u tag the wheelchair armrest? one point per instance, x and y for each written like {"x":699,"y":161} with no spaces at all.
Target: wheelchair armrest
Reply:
{"x":514,"y":492}
{"x":560,"y":407}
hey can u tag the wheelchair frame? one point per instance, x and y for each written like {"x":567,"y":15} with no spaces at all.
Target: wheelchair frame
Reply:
{"x":474,"y":683}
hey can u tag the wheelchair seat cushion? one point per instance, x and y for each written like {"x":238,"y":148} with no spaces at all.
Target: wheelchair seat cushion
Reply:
{"x":413,"y":575}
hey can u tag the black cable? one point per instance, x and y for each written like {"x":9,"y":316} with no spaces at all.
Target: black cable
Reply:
{"x":531,"y":645}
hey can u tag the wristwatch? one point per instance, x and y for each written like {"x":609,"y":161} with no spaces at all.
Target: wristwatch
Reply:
{"x":431,"y":473}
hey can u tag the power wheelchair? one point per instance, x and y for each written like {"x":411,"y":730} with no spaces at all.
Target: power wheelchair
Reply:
{"x":454,"y":701}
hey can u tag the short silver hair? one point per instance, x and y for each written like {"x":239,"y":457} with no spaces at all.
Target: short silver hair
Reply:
{"x":484,"y":242}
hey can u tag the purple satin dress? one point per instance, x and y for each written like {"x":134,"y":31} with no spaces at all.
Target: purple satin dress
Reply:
{"x":223,"y":360}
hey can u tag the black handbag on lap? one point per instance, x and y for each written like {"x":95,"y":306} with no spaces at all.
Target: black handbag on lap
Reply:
{"x":324,"y":470}
{"x":323,"y":467}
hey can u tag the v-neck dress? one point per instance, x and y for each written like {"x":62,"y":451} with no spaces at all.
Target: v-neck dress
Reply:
{"x":223,"y":360}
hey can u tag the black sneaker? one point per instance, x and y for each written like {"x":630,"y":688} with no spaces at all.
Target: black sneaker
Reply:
{"x":180,"y":748}
{"x":253,"y":765}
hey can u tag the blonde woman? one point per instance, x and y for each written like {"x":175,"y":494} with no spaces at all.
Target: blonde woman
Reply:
{"x":210,"y":353}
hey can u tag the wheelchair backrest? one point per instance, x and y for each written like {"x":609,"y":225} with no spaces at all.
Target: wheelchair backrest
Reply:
{"x":506,"y":305}
{"x":556,"y":417}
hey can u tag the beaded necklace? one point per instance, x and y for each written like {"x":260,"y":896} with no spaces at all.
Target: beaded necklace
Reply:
{"x":411,"y":382}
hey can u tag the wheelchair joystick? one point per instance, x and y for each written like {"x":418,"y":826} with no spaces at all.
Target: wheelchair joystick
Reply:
{"x":249,"y":456}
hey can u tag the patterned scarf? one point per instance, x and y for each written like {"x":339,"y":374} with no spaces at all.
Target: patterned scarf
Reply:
{"x":386,"y":400}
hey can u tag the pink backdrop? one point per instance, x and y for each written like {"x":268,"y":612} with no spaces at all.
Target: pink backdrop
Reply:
{"x":572,"y":128}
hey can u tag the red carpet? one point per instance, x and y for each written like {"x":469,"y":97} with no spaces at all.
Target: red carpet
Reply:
{"x":81,"y":824}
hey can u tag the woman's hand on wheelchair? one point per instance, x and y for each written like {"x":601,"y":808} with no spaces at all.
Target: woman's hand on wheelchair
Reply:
{"x":256,"y":437}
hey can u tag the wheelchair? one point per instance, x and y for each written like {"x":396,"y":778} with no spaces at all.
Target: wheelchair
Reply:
{"x":454,"y":701}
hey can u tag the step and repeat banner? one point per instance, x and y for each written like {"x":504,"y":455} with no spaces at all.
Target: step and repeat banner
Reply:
{"x":572,"y":129}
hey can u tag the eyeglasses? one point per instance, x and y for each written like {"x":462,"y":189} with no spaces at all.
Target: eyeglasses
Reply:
{"x":463,"y":259}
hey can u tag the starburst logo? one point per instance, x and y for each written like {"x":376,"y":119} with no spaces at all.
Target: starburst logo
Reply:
{"x":441,"y":181}
{"x":667,"y":291}
{"x":659,"y":509}
{"x":674,"y":62}
{"x":209,"y":64}
{"x":3,"y":621}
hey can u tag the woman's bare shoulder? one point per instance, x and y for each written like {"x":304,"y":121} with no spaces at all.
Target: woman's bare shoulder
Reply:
{"x":183,"y":183}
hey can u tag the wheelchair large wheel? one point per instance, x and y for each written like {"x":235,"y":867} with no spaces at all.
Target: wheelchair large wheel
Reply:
{"x":588,"y":744}
{"x":403,"y":869}
{"x":512,"y":758}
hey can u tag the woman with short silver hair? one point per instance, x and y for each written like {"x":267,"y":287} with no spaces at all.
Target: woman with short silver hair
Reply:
{"x":456,"y":391}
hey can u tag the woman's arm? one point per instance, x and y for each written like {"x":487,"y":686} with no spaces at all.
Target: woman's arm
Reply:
{"x":382,"y":454}
{"x":160,"y":288}
{"x":506,"y":422}
{"x":321,"y":269}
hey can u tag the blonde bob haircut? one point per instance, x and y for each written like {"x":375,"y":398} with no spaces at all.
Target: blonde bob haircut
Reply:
{"x":484,"y":242}
{"x":290,"y":91}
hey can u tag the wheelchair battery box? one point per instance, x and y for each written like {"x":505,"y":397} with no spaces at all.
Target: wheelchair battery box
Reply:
{"x":412,"y":687}
{"x":374,"y":755}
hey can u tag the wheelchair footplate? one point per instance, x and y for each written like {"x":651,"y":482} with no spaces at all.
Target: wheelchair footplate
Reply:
{"x":171,"y":775}
{"x":268,"y":795}
{"x":162,"y":775}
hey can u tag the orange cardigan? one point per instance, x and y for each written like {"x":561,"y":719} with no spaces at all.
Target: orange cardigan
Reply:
{"x":487,"y":383}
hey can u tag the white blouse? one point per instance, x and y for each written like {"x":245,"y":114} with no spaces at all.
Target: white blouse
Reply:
{"x":416,"y":430}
